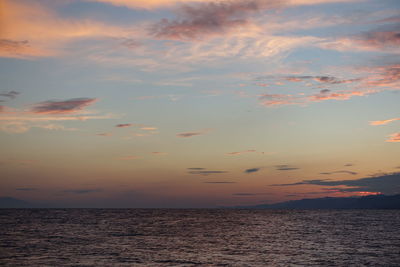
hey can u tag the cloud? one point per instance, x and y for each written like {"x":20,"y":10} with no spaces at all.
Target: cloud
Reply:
{"x":220,"y":182}
{"x":63,"y":107}
{"x":270,"y":100}
{"x":31,"y":29}
{"x":320,"y":79}
{"x":148,"y":128}
{"x":348,"y":164}
{"x":196,"y":21}
{"x":252,"y":170}
{"x":26,"y":189}
{"x":347,"y":172}
{"x":386,"y":184}
{"x":159,"y":153}
{"x":104,"y":134}
{"x":10,"y":94}
{"x":145,"y":4}
{"x":203,"y":171}
{"x":384,"y":76}
{"x":140,"y":4}
{"x":124,"y":125}
{"x":244,"y":194}
{"x":82,"y":191}
{"x":394,"y":138}
{"x":191,"y":134}
{"x":285,"y":168}
{"x":381,"y":40}
{"x":383,"y":122}
{"x":378,"y":41}
{"x":129,"y":158}
{"x":241,"y":152}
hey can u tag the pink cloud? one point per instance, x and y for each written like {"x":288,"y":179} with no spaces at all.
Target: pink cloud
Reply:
{"x":159,"y":153}
{"x":394,"y":138}
{"x":383,"y":122}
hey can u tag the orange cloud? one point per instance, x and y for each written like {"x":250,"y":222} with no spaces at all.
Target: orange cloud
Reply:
{"x":40,"y":116}
{"x":29,"y":29}
{"x":394,"y":138}
{"x":148,"y":4}
{"x":384,"y":76}
{"x":340,"y":95}
{"x":383,"y":122}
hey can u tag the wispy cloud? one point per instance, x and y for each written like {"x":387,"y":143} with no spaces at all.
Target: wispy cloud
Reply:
{"x":104,"y":134}
{"x":140,"y":4}
{"x":341,"y":171}
{"x":63,"y":107}
{"x":203,"y":171}
{"x":386,"y":184}
{"x":285,"y":168}
{"x":159,"y":153}
{"x":320,"y":79}
{"x":26,"y":189}
{"x":383,"y":122}
{"x":241,"y":152}
{"x":82,"y":191}
{"x":196,"y":21}
{"x":35,"y":30}
{"x":10,"y":94}
{"x":124,"y":125}
{"x":220,"y":182}
{"x":252,"y":170}
{"x":192,"y":134}
{"x":129,"y":158}
{"x":395,"y":137}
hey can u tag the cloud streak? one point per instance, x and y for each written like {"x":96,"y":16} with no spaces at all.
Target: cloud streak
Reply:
{"x":394,"y":138}
{"x":192,"y":134}
{"x":203,"y":171}
{"x":252,"y":170}
{"x":10,"y":94}
{"x":285,"y":168}
{"x":383,"y":122}
{"x":342,"y":171}
{"x":63,"y":107}
{"x":386,"y":184}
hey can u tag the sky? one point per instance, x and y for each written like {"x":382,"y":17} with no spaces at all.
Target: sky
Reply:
{"x":202,"y":103}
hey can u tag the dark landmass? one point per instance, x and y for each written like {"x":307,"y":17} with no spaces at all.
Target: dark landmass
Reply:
{"x":10,"y":202}
{"x":366,"y":202}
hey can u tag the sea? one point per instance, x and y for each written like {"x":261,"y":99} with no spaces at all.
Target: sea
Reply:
{"x":199,"y":237}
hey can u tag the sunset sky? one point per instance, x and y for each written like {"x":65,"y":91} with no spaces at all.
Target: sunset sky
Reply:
{"x":176,"y":103}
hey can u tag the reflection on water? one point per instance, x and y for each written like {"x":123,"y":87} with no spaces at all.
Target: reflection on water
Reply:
{"x":134,"y":237}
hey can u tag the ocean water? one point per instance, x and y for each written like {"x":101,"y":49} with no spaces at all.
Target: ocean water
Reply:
{"x":151,"y":237}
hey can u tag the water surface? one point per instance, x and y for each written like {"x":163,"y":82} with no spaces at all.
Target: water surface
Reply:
{"x":140,"y":237}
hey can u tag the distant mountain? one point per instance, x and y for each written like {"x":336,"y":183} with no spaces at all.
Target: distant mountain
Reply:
{"x":10,"y":202}
{"x":366,"y":202}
